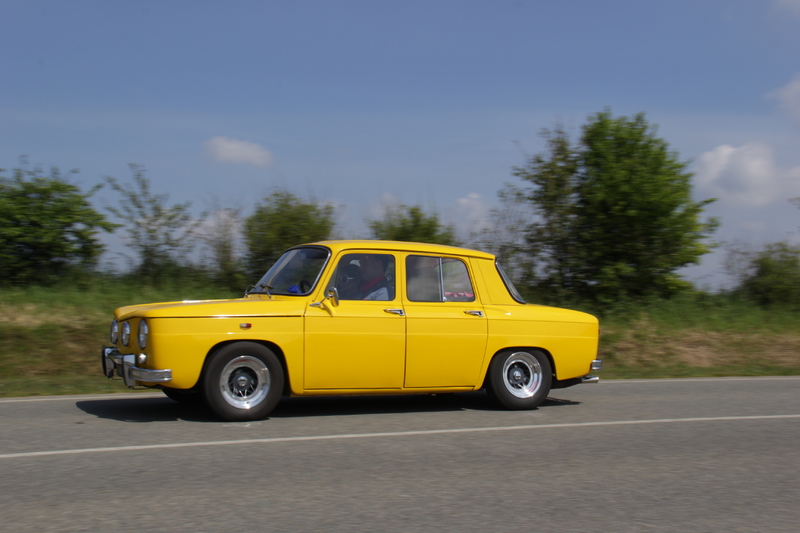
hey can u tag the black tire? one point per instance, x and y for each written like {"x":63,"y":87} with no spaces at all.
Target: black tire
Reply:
{"x":183,"y":396}
{"x":243,"y":381}
{"x":519,"y":379}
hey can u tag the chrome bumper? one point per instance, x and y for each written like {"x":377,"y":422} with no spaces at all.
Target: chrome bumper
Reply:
{"x":597,"y":364}
{"x":124,"y":365}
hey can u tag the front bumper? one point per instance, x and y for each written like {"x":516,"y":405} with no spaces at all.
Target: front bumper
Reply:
{"x":125,"y":367}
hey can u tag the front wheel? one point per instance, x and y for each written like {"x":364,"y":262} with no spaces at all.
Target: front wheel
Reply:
{"x":519,"y":379}
{"x":243,"y":381}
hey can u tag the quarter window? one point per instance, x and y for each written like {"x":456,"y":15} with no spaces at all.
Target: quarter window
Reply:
{"x":512,"y":290}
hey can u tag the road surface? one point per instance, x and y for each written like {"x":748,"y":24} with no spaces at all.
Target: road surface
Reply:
{"x":640,"y":455}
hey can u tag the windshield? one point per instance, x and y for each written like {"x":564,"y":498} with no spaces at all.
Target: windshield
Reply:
{"x":295,"y":273}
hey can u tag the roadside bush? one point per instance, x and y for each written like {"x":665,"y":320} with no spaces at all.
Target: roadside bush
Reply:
{"x":773,"y":277}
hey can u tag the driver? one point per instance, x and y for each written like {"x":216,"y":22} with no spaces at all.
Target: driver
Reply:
{"x":348,"y":282}
{"x":375,"y":285}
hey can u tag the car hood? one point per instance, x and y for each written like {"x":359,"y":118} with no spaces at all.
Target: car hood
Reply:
{"x":254,"y":305}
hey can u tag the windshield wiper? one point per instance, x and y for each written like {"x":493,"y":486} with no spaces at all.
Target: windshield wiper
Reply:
{"x":251,"y":289}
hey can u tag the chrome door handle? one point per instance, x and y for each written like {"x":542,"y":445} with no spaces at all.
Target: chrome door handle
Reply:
{"x":396,"y":311}
{"x":474,"y":312}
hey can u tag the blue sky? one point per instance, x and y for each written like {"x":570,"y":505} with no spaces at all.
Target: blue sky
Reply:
{"x":363,"y":103}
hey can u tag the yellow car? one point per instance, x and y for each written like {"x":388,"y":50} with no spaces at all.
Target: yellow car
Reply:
{"x":356,"y":317}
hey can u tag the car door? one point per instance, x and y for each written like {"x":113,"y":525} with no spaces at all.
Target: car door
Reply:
{"x":357,"y":342}
{"x":446,"y":325}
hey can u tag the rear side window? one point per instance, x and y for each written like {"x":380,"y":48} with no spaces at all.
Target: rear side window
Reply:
{"x":437,"y":279}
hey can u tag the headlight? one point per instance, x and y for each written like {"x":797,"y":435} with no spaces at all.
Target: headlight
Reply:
{"x":126,"y":333}
{"x":114,"y":331}
{"x":142,"y":332}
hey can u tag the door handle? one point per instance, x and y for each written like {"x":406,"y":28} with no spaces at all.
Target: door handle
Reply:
{"x":474,"y":312}
{"x":399,"y":312}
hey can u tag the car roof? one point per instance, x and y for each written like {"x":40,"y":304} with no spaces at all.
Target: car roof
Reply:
{"x":399,"y":246}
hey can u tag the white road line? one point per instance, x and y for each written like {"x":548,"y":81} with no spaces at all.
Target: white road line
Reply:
{"x":389,"y":434}
{"x":109,"y":396}
{"x":698,"y":380}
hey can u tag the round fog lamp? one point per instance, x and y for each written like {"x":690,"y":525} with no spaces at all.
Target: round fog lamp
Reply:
{"x":141,"y":359}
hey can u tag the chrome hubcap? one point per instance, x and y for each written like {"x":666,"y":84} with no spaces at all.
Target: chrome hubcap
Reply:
{"x":244,"y":382}
{"x":522,"y":375}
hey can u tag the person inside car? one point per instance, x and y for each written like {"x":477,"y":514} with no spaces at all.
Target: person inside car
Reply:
{"x":373,"y":271}
{"x":348,"y":282}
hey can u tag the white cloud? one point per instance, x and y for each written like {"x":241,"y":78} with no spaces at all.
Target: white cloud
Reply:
{"x":377,"y":210}
{"x":792,"y":6}
{"x":237,"y":151}
{"x":471,"y":214}
{"x":789,"y":95}
{"x":745,"y":176}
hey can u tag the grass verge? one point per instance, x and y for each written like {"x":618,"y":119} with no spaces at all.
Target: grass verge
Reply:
{"x":50,"y":339}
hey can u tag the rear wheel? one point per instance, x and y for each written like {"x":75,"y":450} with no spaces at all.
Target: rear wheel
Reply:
{"x":243,"y":381}
{"x":519,"y":379}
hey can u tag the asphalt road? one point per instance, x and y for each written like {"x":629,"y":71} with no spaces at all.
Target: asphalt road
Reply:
{"x":663,"y":455}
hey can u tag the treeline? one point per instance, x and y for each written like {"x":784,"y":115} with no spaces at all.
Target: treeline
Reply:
{"x":604,"y":218}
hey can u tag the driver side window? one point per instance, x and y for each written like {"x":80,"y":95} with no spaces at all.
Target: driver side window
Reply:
{"x":364,"y":277}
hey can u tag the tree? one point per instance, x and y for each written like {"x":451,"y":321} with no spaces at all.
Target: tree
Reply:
{"x":281,"y":221}
{"x":160,"y":235}
{"x":551,"y":239}
{"x":411,"y":224}
{"x":221,"y":234}
{"x":504,"y":234}
{"x":615,"y":213}
{"x":47,"y":226}
{"x":774,"y":276}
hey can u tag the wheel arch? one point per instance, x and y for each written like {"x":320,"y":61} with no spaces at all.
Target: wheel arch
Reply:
{"x":267,"y":344}
{"x":545,"y":351}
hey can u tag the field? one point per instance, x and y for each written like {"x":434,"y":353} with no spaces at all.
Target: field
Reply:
{"x":700,"y":335}
{"x":50,"y":339}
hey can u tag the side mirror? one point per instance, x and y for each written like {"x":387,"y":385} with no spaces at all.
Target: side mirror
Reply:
{"x":333,"y":296}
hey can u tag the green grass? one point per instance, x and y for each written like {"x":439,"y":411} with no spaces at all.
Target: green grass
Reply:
{"x":50,"y":338}
{"x":699,"y":335}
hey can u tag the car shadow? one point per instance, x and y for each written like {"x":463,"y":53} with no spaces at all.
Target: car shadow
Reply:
{"x":141,"y":410}
{"x":401,"y":403}
{"x":145,"y":410}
